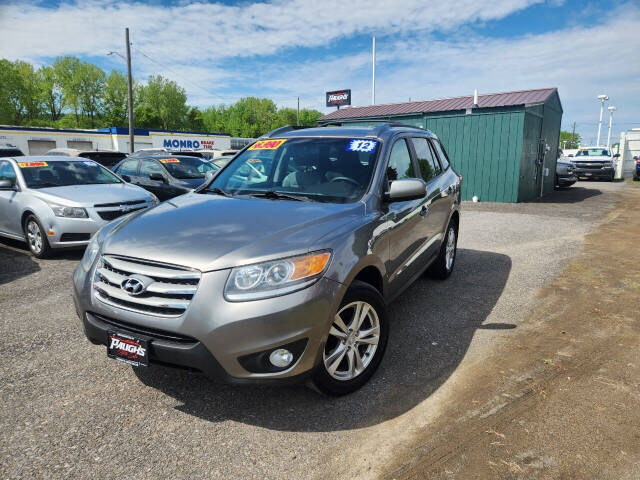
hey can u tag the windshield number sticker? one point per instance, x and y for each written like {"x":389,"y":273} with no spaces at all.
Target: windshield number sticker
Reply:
{"x":366,"y":146}
{"x":32,"y":164}
{"x":267,"y":144}
{"x":169,"y":160}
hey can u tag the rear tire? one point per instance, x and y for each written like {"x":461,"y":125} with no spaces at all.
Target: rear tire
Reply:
{"x":356,"y":342}
{"x":36,"y":238}
{"x":443,"y":265}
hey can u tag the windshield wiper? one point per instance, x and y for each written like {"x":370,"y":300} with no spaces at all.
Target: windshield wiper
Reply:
{"x":273,"y":195}
{"x":218,"y":191}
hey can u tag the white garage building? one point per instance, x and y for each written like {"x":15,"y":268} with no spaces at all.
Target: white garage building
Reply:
{"x":37,"y":140}
{"x":629,"y":148}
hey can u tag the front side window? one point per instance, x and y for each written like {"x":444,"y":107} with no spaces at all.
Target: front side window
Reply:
{"x":400,"y":165}
{"x":61,"y":173}
{"x":130,"y":167}
{"x":324,"y":169}
{"x":429,"y":166}
{"x":7,"y":172}
{"x":147,"y":167}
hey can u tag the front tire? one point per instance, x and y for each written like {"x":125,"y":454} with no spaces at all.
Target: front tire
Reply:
{"x":356,"y":342}
{"x":36,"y":238}
{"x":443,"y":265}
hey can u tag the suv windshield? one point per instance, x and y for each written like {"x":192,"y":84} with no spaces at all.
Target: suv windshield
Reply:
{"x":593,"y":152}
{"x":60,"y":173}
{"x":187,"y":167}
{"x":322,"y":169}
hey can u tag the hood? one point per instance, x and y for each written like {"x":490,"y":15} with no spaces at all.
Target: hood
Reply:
{"x":89,"y":195}
{"x":593,"y":158}
{"x":212,"y":232}
{"x":192,"y":182}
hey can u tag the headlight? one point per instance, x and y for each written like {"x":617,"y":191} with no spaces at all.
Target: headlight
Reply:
{"x":278,"y":277}
{"x":90,"y":253}
{"x":70,"y":212}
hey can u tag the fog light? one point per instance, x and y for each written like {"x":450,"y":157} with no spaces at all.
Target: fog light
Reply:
{"x":281,"y":357}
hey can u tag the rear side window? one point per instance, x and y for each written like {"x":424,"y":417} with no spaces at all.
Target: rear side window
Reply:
{"x":105,"y":159}
{"x":11,"y":153}
{"x":429,"y":166}
{"x":7,"y":172}
{"x":130,"y":167}
{"x":400,"y":165}
{"x":444,"y":158}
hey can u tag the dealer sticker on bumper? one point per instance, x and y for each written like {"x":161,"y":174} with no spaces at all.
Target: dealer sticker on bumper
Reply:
{"x":128,"y":349}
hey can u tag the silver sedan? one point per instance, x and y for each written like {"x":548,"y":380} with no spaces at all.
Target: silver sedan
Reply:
{"x":60,"y":202}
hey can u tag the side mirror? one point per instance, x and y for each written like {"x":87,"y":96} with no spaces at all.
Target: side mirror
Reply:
{"x":616,"y":155}
{"x":405,"y":189}
{"x":126,"y":178}
{"x":208,"y":176}
{"x":7,"y":185}
{"x":158,"y":177}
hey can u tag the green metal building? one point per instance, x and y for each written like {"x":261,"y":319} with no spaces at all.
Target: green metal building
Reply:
{"x":503,"y":144}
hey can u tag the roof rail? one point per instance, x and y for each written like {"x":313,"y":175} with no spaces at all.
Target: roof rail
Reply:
{"x":285,"y":129}
{"x":386,"y":125}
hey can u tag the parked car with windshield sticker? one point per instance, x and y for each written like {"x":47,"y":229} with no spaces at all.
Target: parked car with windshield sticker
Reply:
{"x":281,"y":266}
{"x":166,"y":176}
{"x":60,"y":202}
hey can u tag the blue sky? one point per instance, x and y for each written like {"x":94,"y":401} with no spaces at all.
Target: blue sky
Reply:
{"x":221,"y":51}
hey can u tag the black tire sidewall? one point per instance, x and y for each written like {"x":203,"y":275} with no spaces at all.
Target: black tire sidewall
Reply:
{"x":321,"y":378}
{"x":46,"y":249}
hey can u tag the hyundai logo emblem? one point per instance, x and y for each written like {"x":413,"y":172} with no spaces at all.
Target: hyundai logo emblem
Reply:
{"x":135,"y":285}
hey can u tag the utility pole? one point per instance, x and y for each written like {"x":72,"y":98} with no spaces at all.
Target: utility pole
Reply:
{"x":298,"y":114}
{"x":611,"y":110}
{"x":573,"y":134}
{"x":602,"y":98}
{"x":373,"y":76}
{"x":130,"y":81}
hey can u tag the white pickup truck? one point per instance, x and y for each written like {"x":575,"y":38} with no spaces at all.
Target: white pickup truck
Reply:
{"x":595,"y":162}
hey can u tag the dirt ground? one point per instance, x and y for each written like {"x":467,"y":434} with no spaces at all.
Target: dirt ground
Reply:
{"x":560,"y":397}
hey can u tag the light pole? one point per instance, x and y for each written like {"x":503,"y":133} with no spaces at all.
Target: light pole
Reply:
{"x":373,"y":74}
{"x":602,"y":98}
{"x":129,"y":88}
{"x":611,"y":110}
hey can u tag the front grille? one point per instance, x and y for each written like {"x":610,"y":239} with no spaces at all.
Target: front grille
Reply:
{"x":74,"y":237}
{"x":168,"y":292}
{"x":592,"y":166}
{"x":112,"y":214}
{"x":117,"y":204}
{"x":150,"y":332}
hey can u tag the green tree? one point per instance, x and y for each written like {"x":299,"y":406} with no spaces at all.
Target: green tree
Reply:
{"x":114,"y":100}
{"x":68,"y":70}
{"x":166,"y":100}
{"x":19,"y":92}
{"x":194,"y":120}
{"x":92,"y":83}
{"x":51,"y":92}
{"x":566,"y":137}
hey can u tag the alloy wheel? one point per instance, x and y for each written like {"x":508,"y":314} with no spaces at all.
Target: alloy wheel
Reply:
{"x":34,"y":236}
{"x":450,"y":252}
{"x":353,"y":341}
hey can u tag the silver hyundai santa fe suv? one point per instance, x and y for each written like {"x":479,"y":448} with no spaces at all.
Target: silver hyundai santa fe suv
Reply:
{"x":279,"y":268}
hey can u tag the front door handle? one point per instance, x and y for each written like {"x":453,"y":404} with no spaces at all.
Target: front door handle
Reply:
{"x":423,"y":211}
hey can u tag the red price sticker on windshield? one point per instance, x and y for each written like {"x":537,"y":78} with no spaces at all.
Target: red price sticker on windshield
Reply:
{"x":32,"y":164}
{"x":267,"y":144}
{"x":169,"y":160}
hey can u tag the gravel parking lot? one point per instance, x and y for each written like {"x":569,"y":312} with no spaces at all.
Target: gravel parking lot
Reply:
{"x":69,"y":411}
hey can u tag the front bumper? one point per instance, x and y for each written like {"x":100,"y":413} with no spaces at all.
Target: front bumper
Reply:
{"x":214,"y":335}
{"x":566,"y":180}
{"x":600,"y":173}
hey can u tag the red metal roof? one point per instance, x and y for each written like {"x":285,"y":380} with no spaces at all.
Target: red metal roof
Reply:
{"x":488,"y":100}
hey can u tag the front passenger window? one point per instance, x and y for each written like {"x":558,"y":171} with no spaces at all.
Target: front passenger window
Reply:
{"x":400,"y":165}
